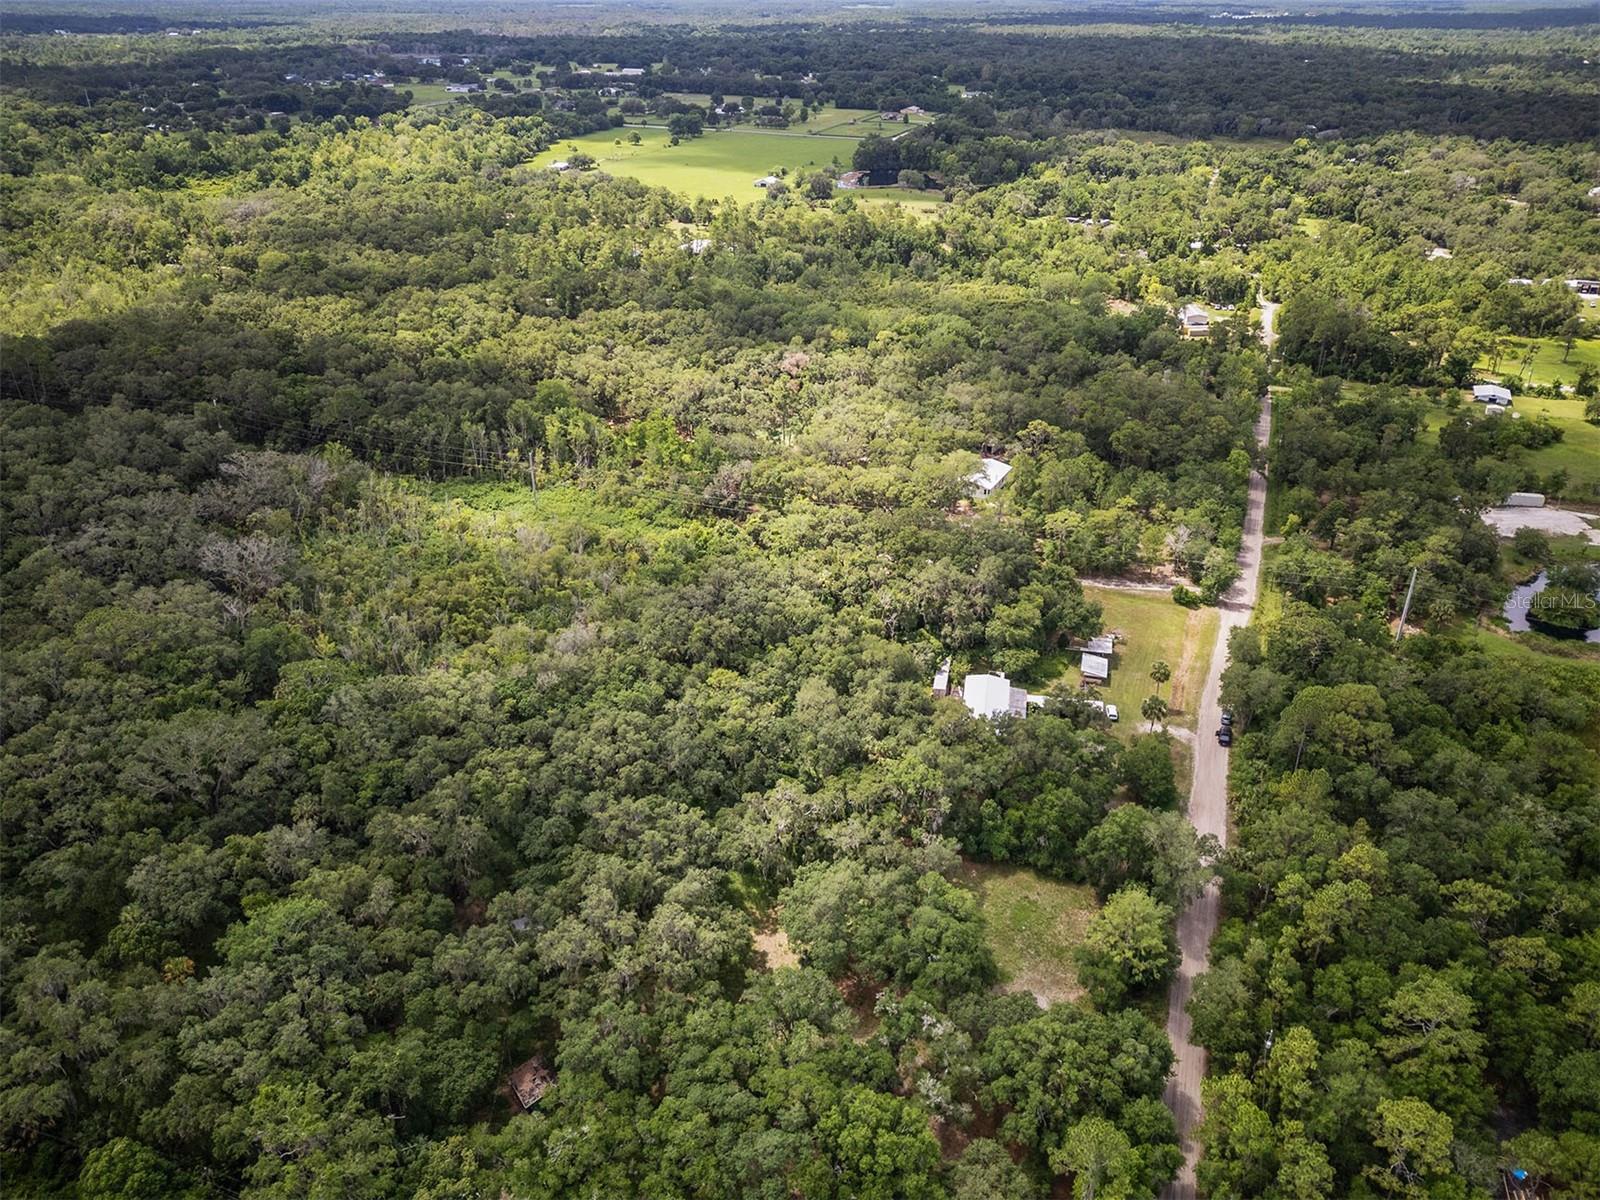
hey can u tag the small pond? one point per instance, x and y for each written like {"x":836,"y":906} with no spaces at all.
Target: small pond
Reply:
{"x":1517,"y":607}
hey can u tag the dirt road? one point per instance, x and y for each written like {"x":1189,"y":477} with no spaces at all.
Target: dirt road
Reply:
{"x":1208,"y":811}
{"x":1269,"y":320}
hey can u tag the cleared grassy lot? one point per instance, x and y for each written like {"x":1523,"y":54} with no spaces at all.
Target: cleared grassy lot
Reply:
{"x":428,"y":93}
{"x":1150,"y":627}
{"x":1577,"y":453}
{"x":1269,"y":599}
{"x":721,"y":165}
{"x":1546,"y":365}
{"x":817,"y":120}
{"x":1542,"y":654}
{"x":859,"y":122}
{"x":1033,"y":925}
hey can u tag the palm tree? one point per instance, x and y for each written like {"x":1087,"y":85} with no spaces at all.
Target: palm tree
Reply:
{"x":1154,"y":710}
{"x":1160,"y":672}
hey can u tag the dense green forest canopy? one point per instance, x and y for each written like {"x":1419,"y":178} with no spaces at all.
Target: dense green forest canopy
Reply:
{"x":462,"y":618}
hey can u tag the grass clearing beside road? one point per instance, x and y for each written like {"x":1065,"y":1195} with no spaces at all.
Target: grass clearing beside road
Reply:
{"x":1151,"y":626}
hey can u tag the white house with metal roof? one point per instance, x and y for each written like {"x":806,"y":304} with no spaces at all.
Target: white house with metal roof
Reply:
{"x":993,"y":696}
{"x":989,"y":476}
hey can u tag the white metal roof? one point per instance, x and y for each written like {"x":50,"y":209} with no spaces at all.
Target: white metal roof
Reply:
{"x":1104,"y":644}
{"x":1491,"y":391}
{"x":987,"y":695}
{"x":990,"y":475}
{"x":1096,"y":667}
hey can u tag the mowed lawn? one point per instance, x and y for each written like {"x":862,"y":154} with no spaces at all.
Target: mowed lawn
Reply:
{"x":817,"y":120}
{"x":1547,"y":365}
{"x":1149,"y":627}
{"x":722,"y":165}
{"x":1578,"y":451}
{"x":1033,"y":926}
{"x":428,"y":93}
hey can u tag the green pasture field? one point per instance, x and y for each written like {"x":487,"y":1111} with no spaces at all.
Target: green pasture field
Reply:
{"x":1578,"y":451}
{"x":427,"y":93}
{"x":720,"y":165}
{"x":820,"y":120}
{"x":1547,"y":365}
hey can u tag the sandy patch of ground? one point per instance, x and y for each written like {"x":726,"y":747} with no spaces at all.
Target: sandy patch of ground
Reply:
{"x":1507,"y":519}
{"x":773,"y":947}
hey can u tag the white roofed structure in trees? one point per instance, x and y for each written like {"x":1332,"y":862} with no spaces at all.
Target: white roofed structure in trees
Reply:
{"x":989,"y":476}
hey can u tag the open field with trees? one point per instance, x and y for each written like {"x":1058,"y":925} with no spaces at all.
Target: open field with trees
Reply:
{"x":1568,"y":467}
{"x":1547,"y":361}
{"x":722,"y":166}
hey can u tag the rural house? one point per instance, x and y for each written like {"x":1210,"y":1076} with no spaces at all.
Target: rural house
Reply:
{"x":989,"y":476}
{"x":985,"y":695}
{"x":1194,"y":321}
{"x":993,"y":696}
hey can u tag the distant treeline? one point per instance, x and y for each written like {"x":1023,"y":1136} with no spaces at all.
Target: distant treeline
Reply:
{"x":1406,"y":18}
{"x":83,"y":22}
{"x":1190,"y":82}
{"x":1238,"y":82}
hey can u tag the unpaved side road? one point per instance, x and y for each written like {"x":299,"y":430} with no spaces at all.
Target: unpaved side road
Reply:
{"x":1269,"y":320}
{"x":1208,"y":811}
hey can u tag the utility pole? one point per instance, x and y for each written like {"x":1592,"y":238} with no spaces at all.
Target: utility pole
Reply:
{"x":1405,"y":609}
{"x":533,"y":480}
